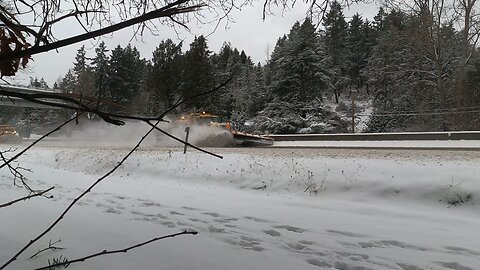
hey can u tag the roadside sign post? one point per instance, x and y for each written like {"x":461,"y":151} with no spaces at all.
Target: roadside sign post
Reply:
{"x":352,"y":94}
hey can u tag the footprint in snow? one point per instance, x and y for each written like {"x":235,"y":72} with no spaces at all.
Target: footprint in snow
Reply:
{"x":345,"y":266}
{"x":133,"y":212}
{"x":168,"y":224}
{"x":348,"y":234}
{"x":272,"y":233}
{"x":454,"y":265}
{"x":390,"y":243}
{"x":149,"y":204}
{"x":318,"y":263}
{"x":80,"y":203}
{"x":298,"y":247}
{"x":290,"y":228}
{"x":369,"y":245}
{"x":211,"y":214}
{"x":213,"y":229}
{"x":190,"y":208}
{"x":258,"y":219}
{"x":408,"y":267}
{"x":246,"y":243}
{"x":198,"y":220}
{"x":464,"y":251}
{"x":182,"y":224}
{"x":113,"y":211}
{"x":161,"y":216}
{"x":353,"y":256}
{"x":225,"y":220}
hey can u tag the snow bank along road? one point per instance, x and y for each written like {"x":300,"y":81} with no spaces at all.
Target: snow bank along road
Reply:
{"x":457,"y":140}
{"x":253,"y":209}
{"x":462,"y":140}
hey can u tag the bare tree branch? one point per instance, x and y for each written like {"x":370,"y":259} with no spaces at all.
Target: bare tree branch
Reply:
{"x":74,"y":202}
{"x":109,"y":252}
{"x":15,"y":171}
{"x":182,"y":141}
{"x":51,"y":246}
{"x":167,"y":11}
{"x":26,"y":197}
{"x":120,"y":163}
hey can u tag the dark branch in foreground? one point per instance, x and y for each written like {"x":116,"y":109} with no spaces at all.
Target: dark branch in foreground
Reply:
{"x":15,"y":171}
{"x":108,"y":252}
{"x":164,"y":12}
{"x":182,"y":141}
{"x":59,"y":100}
{"x":176,"y":105}
{"x":40,"y":193}
{"x":88,"y":190}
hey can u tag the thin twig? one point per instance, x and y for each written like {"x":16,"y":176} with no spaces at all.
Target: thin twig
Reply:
{"x":26,"y":197}
{"x":15,"y":171}
{"x":194,"y":97}
{"x":51,"y":246}
{"x":108,"y":252}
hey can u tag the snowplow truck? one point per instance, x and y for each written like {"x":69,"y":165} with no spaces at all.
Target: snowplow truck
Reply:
{"x":210,"y":131}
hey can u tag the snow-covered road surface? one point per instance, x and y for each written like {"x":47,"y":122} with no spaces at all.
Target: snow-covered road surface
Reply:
{"x":254,"y":209}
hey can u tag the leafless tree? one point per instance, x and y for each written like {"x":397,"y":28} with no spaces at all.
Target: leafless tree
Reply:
{"x":469,"y":20}
{"x":434,"y":14}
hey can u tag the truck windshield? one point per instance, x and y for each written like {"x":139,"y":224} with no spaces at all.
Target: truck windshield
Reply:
{"x":209,"y":120}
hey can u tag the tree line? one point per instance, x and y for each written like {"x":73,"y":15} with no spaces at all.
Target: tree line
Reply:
{"x":417,"y":69}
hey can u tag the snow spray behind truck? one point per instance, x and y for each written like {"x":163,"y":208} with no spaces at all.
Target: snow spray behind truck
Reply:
{"x":218,"y":133}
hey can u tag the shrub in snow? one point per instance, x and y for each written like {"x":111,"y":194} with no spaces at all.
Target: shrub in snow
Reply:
{"x":282,"y":117}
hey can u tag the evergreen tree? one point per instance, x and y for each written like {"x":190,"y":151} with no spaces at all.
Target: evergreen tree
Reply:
{"x":335,"y":36}
{"x":83,"y":74}
{"x":227,"y":63}
{"x":125,"y":74}
{"x":68,"y":82}
{"x":164,"y":76}
{"x":198,"y":75}
{"x":34,"y":82}
{"x":100,"y":69}
{"x":297,"y":65}
{"x":356,"y":49}
{"x":369,"y":41}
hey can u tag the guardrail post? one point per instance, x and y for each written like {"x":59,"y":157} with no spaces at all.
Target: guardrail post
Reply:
{"x":187,"y":132}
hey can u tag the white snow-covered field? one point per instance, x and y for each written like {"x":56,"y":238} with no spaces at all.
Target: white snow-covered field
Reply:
{"x":254,"y":209}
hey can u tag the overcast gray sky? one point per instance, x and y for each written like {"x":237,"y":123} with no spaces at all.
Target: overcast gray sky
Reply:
{"x":247,"y":32}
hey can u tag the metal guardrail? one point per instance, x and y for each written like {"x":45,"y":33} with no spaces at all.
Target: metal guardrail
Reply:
{"x":406,"y":136}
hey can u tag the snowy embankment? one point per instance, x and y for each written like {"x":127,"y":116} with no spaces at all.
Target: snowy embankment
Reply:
{"x":254,"y":209}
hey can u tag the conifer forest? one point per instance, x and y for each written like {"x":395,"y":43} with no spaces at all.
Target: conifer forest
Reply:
{"x":417,"y":69}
